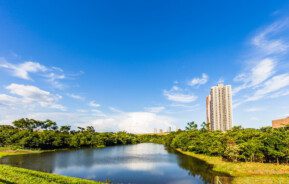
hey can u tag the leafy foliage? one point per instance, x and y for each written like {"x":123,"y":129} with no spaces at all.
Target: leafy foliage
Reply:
{"x":34,"y":134}
{"x":238,"y":144}
{"x":249,"y":145}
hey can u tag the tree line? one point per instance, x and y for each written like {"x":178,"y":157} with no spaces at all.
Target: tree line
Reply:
{"x":267,"y":144}
{"x":35,"y":134}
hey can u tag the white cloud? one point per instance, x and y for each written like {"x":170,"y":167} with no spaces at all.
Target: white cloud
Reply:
{"x":74,"y":96}
{"x":30,"y":96}
{"x":82,"y":110}
{"x":94,"y":104}
{"x":156,"y":109}
{"x":259,"y":73}
{"x":274,"y":84}
{"x":115,"y":110}
{"x":265,"y":77}
{"x":53,"y":78}
{"x":6,"y":100}
{"x":269,"y":45}
{"x":280,"y":93}
{"x":199,"y":81}
{"x":179,"y":97}
{"x":61,"y":117}
{"x":262,"y":71}
{"x":176,"y":95}
{"x":184,"y":107}
{"x":134,"y":122}
{"x":254,"y":109}
{"x":266,"y":39}
{"x":22,"y":70}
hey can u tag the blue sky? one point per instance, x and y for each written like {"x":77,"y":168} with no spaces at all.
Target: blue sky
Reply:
{"x":140,"y":65}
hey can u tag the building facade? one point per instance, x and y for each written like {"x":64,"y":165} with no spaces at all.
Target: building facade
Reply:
{"x":208,"y":111}
{"x":219,"y":108}
{"x":278,"y":123}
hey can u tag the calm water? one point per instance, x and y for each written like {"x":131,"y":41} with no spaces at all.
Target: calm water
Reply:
{"x":141,"y":163}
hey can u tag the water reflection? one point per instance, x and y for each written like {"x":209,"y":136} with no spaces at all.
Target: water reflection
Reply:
{"x":142,"y":163}
{"x":197,"y":167}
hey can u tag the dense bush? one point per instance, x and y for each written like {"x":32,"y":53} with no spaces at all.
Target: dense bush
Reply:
{"x":239,"y":144}
{"x":33,"y":134}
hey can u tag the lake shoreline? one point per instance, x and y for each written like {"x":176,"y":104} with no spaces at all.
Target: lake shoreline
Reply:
{"x":9,"y":152}
{"x":245,"y":172}
{"x":240,"y":172}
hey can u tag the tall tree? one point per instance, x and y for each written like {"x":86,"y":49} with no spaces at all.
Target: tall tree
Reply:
{"x":191,"y":126}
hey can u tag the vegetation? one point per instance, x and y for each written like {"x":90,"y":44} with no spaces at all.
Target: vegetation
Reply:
{"x":240,"y":169}
{"x":9,"y":174}
{"x":153,"y":138}
{"x":11,"y":151}
{"x":46,"y":135}
{"x":245,"y":172}
{"x":252,"y":155}
{"x":265,"y":145}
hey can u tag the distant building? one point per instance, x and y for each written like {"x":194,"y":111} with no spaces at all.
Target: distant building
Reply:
{"x":280,"y":122}
{"x":161,"y":130}
{"x":170,"y":129}
{"x":219,"y":108}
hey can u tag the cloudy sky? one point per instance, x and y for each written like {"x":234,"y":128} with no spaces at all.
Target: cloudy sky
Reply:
{"x":140,"y":65}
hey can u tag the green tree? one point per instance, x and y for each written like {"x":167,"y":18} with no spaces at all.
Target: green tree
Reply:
{"x":49,"y":125}
{"x":65,"y":128}
{"x":25,"y":123}
{"x":191,"y":126}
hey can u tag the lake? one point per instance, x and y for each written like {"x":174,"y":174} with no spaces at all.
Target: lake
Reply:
{"x":140,"y":163}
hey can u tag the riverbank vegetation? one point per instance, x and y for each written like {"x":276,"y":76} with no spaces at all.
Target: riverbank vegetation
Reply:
{"x":240,"y":169}
{"x":264,"y":145}
{"x":253,"y":155}
{"x":245,"y":172}
{"x":9,"y":174}
{"x":46,"y":135}
{"x":248,"y":155}
{"x":7,"y":151}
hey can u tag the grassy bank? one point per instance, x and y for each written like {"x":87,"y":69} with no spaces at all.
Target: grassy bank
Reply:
{"x":9,"y":151}
{"x":246,"y":172}
{"x":9,"y":174}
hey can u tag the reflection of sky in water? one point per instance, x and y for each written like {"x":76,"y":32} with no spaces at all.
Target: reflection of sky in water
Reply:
{"x":142,"y":163}
{"x":133,"y":162}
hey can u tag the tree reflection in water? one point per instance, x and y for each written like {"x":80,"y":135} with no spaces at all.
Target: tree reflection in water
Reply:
{"x":141,"y":163}
{"x":197,"y":167}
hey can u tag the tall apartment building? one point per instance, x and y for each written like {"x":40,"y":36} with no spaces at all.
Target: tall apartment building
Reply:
{"x":219,"y":108}
{"x":208,"y":110}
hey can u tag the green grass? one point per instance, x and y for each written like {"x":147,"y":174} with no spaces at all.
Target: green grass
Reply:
{"x":9,"y":174}
{"x":272,"y":179}
{"x":8,"y":151}
{"x":247,"y":172}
